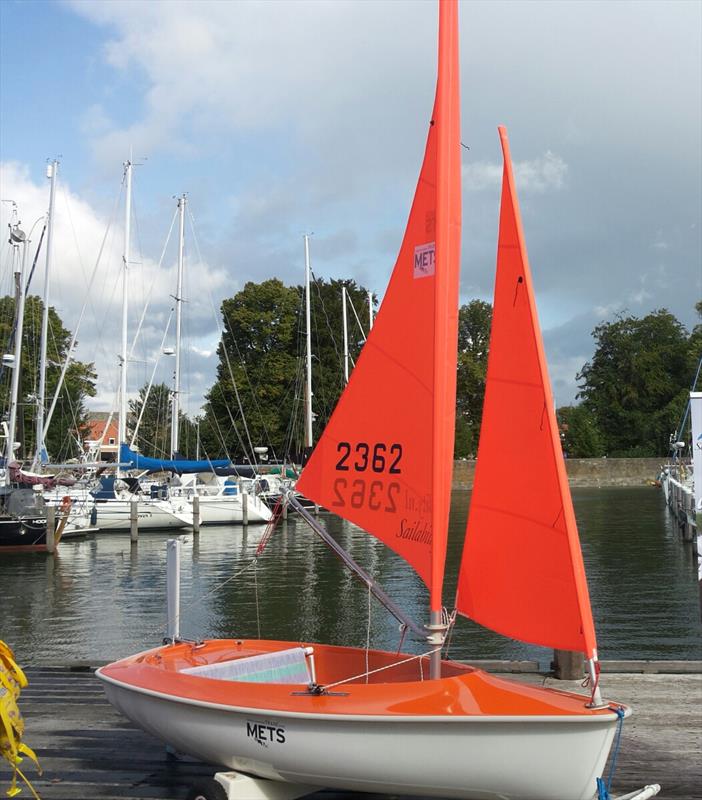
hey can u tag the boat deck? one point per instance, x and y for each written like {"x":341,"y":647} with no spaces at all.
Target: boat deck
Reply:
{"x":88,"y":750}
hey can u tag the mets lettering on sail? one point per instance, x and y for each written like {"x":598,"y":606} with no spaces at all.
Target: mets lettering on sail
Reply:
{"x":424,"y":260}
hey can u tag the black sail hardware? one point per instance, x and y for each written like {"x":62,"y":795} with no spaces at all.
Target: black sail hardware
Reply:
{"x":363,"y":576}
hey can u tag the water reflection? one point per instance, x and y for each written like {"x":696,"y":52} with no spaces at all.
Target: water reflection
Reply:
{"x":103,"y":597}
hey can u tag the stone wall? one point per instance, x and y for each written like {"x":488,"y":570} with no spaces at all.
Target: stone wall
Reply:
{"x":585,"y":472}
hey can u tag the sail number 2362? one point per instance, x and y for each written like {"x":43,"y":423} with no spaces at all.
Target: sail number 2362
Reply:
{"x":379,"y":458}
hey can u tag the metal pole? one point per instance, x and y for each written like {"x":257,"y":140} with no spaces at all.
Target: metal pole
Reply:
{"x":50,"y":529}
{"x":122,"y":419}
{"x":592,"y":670}
{"x":370,"y":309}
{"x":245,"y":509}
{"x":133,"y":521}
{"x":40,"y":453}
{"x":19,"y":332}
{"x":175,"y":404}
{"x":196,"y":513}
{"x":173,"y":588}
{"x":356,"y":568}
{"x":437,"y":634}
{"x":346,"y":334}
{"x":308,"y":383}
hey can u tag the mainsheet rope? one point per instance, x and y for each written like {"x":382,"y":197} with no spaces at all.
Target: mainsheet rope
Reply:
{"x":367,"y":673}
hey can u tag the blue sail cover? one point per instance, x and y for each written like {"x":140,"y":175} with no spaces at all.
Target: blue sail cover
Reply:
{"x":131,"y":460}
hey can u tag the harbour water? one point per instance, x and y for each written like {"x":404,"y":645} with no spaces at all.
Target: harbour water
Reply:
{"x":102,"y":597}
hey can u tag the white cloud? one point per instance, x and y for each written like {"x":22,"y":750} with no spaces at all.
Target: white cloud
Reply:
{"x":563,"y":372}
{"x":543,"y":174}
{"x":608,"y":310}
{"x":221,"y":66}
{"x":79,"y":231}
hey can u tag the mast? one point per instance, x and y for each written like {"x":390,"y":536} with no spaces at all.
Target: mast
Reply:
{"x":346,"y":334}
{"x":370,"y":310}
{"x":175,"y":402}
{"x":308,"y":382}
{"x":17,"y":238}
{"x":122,"y":418}
{"x":40,"y":454}
{"x":448,"y":231}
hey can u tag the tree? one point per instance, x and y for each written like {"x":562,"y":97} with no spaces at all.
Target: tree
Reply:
{"x":69,"y":420}
{"x":257,"y":398}
{"x":580,"y":435}
{"x":695,"y":344}
{"x":474,"y":320}
{"x":636,"y":384}
{"x":328,"y":346}
{"x":154,"y":432}
{"x":252,"y":399}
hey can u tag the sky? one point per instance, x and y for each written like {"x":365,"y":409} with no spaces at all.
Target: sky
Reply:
{"x":284,"y":118}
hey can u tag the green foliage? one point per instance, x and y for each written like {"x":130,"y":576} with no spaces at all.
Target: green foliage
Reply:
{"x":69,"y":419}
{"x":154,"y":434}
{"x":636,"y":384}
{"x":580,"y":435}
{"x":260,"y":375}
{"x":464,"y":444}
{"x":474,"y":320}
{"x":328,"y":343}
{"x":694,"y":350}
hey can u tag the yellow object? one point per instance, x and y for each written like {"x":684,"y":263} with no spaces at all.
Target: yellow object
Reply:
{"x":12,"y":681}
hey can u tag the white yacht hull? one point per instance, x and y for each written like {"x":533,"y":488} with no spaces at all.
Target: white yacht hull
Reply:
{"x":115,"y":515}
{"x":225,"y":510}
{"x":477,"y":757}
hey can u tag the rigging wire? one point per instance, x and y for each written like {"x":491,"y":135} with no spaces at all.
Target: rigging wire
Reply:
{"x":148,"y":298}
{"x":358,"y":321}
{"x":151,"y":380}
{"x":74,"y":338}
{"x":226,"y":354}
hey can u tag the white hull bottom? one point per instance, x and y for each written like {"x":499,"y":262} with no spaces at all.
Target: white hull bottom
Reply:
{"x":115,"y":515}
{"x":225,"y":510}
{"x":477,"y":758}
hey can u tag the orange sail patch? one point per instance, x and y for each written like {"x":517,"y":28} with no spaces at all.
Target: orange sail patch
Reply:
{"x":384,"y":460}
{"x":522,"y":571}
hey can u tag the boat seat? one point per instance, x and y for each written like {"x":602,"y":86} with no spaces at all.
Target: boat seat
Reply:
{"x":282,"y":666}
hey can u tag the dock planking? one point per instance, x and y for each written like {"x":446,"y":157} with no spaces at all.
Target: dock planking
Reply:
{"x":88,"y":750}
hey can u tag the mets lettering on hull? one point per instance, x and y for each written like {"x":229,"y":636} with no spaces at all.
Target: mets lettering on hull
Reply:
{"x":265,"y":733}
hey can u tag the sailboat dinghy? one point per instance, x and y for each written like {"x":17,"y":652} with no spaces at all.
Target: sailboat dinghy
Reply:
{"x":348,"y":718}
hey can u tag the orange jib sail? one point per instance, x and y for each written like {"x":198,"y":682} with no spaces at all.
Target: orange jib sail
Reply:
{"x":384,"y":460}
{"x":522,"y":571}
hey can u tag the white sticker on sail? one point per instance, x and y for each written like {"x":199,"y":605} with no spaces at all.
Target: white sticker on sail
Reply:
{"x":424,"y":260}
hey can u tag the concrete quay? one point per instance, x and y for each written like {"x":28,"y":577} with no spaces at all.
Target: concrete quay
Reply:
{"x":584,"y":472}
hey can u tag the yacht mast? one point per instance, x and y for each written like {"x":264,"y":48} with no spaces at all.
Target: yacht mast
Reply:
{"x":40,"y":455}
{"x":17,"y":238}
{"x":308,"y":382}
{"x":122,"y":418}
{"x":370,"y":309}
{"x":175,"y":402}
{"x":346,"y":334}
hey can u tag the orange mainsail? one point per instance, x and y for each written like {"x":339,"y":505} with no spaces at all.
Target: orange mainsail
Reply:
{"x":522,"y":571}
{"x":384,"y":460}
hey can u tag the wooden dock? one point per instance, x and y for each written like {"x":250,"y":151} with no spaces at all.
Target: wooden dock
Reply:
{"x":89,"y":751}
